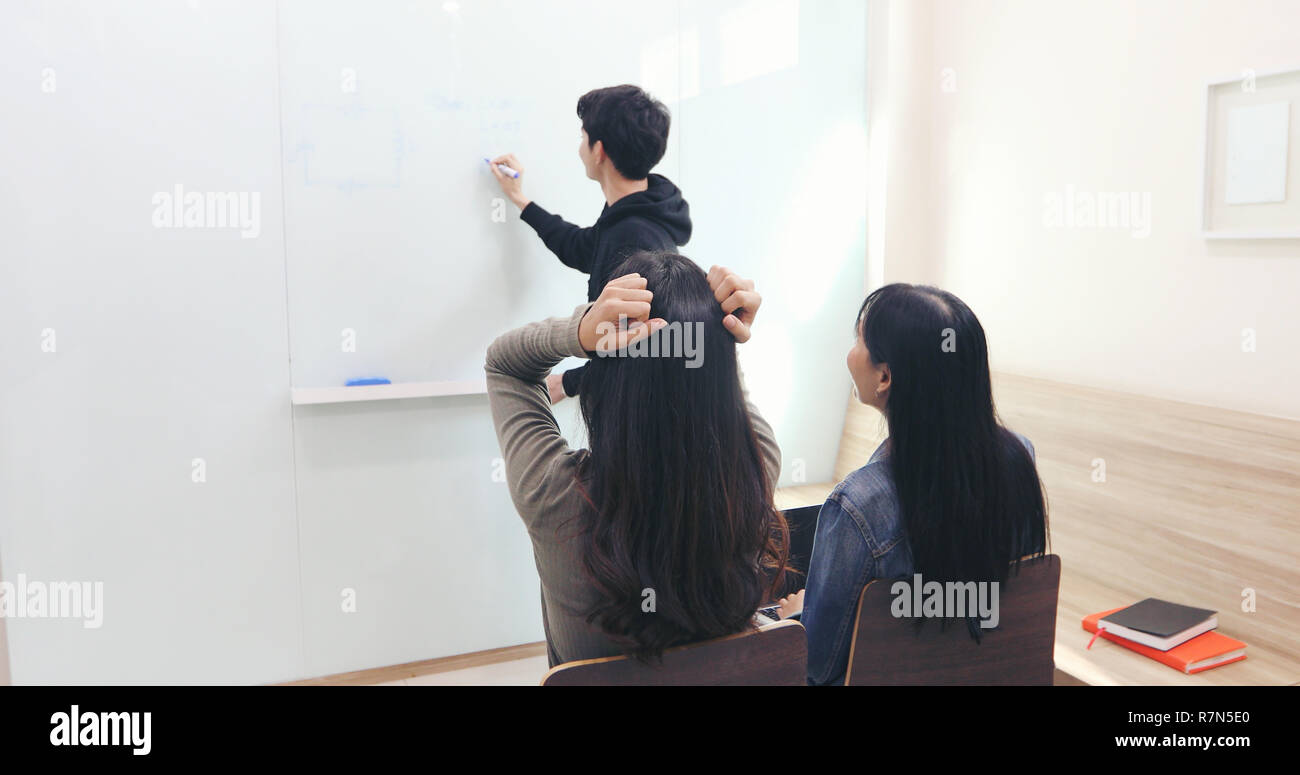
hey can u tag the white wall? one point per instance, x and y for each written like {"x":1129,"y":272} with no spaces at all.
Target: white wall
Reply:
{"x":1104,"y":96}
{"x":168,"y":346}
{"x":773,"y":161}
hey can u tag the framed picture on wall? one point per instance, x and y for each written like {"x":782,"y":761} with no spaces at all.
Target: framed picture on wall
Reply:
{"x":1251,"y":181}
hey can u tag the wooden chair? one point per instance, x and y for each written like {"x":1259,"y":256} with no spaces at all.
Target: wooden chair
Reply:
{"x":773,"y":655}
{"x":889,"y":651}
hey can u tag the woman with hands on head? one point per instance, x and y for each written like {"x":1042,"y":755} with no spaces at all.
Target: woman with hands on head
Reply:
{"x":664,"y":531}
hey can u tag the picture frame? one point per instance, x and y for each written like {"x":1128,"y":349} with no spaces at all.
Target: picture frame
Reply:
{"x":1250,"y":104}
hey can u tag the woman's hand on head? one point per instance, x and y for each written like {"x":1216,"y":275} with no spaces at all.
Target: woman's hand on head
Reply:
{"x":620,"y":316}
{"x":738,"y":298}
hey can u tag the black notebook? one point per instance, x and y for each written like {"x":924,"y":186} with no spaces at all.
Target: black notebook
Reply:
{"x":1159,"y":623}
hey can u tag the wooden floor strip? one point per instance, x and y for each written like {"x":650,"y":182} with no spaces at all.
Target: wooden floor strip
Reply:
{"x":378,"y":675}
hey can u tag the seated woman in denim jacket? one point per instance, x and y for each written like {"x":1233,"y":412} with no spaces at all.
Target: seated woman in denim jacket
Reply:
{"x":951,"y":494}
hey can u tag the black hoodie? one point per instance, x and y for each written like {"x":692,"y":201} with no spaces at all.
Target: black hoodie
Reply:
{"x":655,"y":219}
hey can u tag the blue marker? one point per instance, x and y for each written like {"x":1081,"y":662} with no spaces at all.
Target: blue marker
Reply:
{"x":368,"y":381}
{"x":508,"y":172}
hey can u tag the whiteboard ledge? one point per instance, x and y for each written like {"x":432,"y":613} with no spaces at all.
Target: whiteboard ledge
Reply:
{"x":339,"y":395}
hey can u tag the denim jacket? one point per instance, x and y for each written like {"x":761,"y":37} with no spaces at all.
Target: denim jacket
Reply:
{"x":860,"y":537}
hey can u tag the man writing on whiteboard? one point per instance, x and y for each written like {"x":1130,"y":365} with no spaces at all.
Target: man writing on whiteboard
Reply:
{"x":624,"y":135}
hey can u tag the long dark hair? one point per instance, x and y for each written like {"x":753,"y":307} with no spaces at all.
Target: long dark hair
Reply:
{"x":678,"y":499}
{"x":972,"y":503}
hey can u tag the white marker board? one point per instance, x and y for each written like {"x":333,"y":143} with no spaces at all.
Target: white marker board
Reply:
{"x":399,"y":264}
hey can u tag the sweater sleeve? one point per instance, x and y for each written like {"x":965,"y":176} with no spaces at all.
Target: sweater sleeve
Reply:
{"x":531,"y":443}
{"x":575,"y":246}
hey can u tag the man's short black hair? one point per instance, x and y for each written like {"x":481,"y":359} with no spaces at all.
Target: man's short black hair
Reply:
{"x":632,"y":125}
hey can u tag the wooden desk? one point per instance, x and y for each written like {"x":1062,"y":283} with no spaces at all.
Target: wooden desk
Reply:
{"x":1198,"y":504}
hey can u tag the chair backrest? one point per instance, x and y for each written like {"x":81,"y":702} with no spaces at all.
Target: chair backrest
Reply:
{"x":890,"y":651}
{"x":773,"y":655}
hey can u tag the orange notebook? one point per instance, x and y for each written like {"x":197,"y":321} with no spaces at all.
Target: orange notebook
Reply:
{"x":1207,"y":650}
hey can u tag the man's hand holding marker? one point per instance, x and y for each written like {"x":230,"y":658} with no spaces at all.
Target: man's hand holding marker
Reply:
{"x":509,"y":173}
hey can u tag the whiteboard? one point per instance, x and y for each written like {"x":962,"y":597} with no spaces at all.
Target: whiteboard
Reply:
{"x":403,"y":259}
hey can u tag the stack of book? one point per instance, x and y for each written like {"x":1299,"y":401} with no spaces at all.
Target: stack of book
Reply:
{"x":1177,"y":635}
